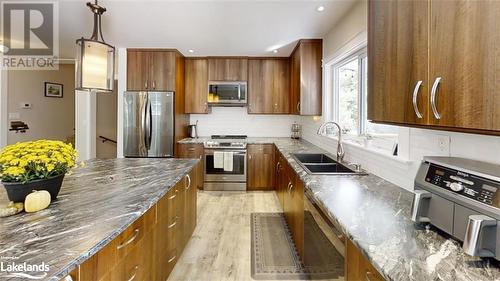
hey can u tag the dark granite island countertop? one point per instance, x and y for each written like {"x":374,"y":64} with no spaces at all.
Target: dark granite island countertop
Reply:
{"x":96,"y":203}
{"x":375,"y":215}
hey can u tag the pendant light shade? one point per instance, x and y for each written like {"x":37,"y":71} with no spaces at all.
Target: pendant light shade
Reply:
{"x":95,"y":59}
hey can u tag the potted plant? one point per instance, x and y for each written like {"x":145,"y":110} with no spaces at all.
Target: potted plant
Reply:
{"x":35,"y":165}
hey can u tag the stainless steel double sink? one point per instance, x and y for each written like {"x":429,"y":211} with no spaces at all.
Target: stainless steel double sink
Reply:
{"x":322,"y":164}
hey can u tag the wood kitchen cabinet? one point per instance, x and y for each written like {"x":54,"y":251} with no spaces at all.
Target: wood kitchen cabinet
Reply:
{"x":194,"y":150}
{"x":227,"y":69}
{"x":306,"y":77}
{"x":294,"y":207}
{"x":398,"y":63}
{"x":151,"y":246}
{"x":449,"y":47}
{"x":260,"y":167}
{"x":280,"y":177}
{"x":357,"y":267}
{"x":269,"y":86}
{"x":149,"y":70}
{"x":196,"y":85}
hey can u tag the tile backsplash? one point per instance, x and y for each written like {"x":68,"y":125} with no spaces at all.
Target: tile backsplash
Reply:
{"x":236,"y":120}
{"x":418,"y":143}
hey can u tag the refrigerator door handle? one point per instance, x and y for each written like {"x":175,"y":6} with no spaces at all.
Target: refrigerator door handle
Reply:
{"x":150,"y":124}
{"x":145,"y":124}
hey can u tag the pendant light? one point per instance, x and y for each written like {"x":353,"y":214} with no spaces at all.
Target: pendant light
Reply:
{"x":95,"y":59}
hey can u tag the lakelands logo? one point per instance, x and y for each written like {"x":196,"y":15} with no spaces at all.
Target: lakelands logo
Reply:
{"x":23,"y":270}
{"x":30,"y":35}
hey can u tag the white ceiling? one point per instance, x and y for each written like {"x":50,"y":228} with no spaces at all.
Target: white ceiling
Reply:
{"x":211,"y":28}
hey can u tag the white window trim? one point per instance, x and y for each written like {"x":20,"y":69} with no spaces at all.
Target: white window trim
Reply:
{"x":357,"y":45}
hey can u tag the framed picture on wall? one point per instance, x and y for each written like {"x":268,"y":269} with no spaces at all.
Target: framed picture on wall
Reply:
{"x":53,"y":90}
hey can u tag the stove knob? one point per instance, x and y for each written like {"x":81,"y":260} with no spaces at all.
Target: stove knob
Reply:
{"x":456,"y":186}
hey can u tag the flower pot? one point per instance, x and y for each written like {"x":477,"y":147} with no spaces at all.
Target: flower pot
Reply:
{"x":17,"y":191}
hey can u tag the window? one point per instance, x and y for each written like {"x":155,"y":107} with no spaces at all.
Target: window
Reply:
{"x":350,"y":87}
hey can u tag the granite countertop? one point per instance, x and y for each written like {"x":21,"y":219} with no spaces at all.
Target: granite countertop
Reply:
{"x":375,"y":215}
{"x":96,"y":203}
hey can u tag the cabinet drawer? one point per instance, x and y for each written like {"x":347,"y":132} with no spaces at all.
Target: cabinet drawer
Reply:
{"x":99,"y":265}
{"x":260,"y":148}
{"x":188,"y":150}
{"x":167,"y":205}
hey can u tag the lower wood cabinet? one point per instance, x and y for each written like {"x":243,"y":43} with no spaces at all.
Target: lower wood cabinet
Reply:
{"x":151,"y":246}
{"x":260,"y":167}
{"x":194,"y":151}
{"x":357,"y":267}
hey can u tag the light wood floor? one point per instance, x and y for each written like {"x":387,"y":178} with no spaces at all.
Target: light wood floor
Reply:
{"x":220,"y":246}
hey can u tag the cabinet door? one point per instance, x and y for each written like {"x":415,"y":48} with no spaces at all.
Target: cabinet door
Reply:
{"x":295,"y":82}
{"x":288,"y":206}
{"x":281,"y":86}
{"x":196,"y":85}
{"x":311,"y":77}
{"x":260,"y":86}
{"x":278,"y":176}
{"x":398,"y":61}
{"x":260,"y":167}
{"x":227,"y":69}
{"x":137,"y":70}
{"x":357,"y":267}
{"x":297,"y":196}
{"x":464,"y":42}
{"x":190,"y":201}
{"x":194,"y":151}
{"x":162,"y":70}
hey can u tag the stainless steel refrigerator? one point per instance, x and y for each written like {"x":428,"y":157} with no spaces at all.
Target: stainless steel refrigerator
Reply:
{"x":148,"y":122}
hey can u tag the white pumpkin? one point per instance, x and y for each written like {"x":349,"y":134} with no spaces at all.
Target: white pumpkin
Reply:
{"x":36,"y":201}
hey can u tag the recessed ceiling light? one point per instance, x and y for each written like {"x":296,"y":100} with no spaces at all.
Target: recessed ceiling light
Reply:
{"x":191,"y":50}
{"x":320,"y":8}
{"x":275,"y":51}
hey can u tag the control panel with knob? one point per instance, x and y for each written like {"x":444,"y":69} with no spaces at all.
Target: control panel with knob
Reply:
{"x":472,"y":186}
{"x":456,"y":186}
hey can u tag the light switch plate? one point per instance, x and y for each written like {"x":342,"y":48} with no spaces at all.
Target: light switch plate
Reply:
{"x":14,"y":116}
{"x":444,"y":144}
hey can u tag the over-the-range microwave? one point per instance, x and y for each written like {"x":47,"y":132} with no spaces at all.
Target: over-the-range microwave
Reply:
{"x":227,"y":93}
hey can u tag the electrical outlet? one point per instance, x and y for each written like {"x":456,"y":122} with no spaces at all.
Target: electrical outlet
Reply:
{"x":444,"y":144}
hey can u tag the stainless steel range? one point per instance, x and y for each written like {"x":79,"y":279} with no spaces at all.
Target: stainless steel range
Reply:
{"x":462,"y":198}
{"x":225,"y":163}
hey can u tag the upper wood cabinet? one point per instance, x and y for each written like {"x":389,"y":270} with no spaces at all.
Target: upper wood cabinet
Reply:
{"x":398,"y":64}
{"x":433,"y":63}
{"x":196,"y":85}
{"x":306,"y":77}
{"x":464,"y":56}
{"x":227,"y":69}
{"x":260,"y":167}
{"x":268,"y":86}
{"x":151,"y":70}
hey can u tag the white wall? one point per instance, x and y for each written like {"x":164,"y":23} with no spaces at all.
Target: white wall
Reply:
{"x":106,"y":120}
{"x":48,"y":118}
{"x":236,"y":120}
{"x":413,"y":143}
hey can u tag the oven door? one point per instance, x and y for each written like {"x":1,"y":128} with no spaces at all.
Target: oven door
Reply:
{"x":238,"y":174}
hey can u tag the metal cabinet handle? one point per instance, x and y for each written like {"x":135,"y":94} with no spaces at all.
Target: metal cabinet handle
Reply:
{"x":368,"y":275}
{"x":476,"y":225}
{"x":173,"y":224}
{"x":298,"y":107}
{"x":278,"y":167}
{"x":415,"y":96}
{"x":191,"y":149}
{"x":418,"y":198}
{"x":136,"y":269}
{"x":433,"y":98}
{"x":172,"y":197}
{"x":130,"y":240}
{"x":146,"y":84}
{"x":189,"y":182}
{"x":249,"y":156}
{"x":171,"y":259}
{"x":154,"y":84}
{"x":290,"y":186}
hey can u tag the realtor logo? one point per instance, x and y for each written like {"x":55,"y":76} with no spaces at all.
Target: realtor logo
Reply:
{"x":30,"y":35}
